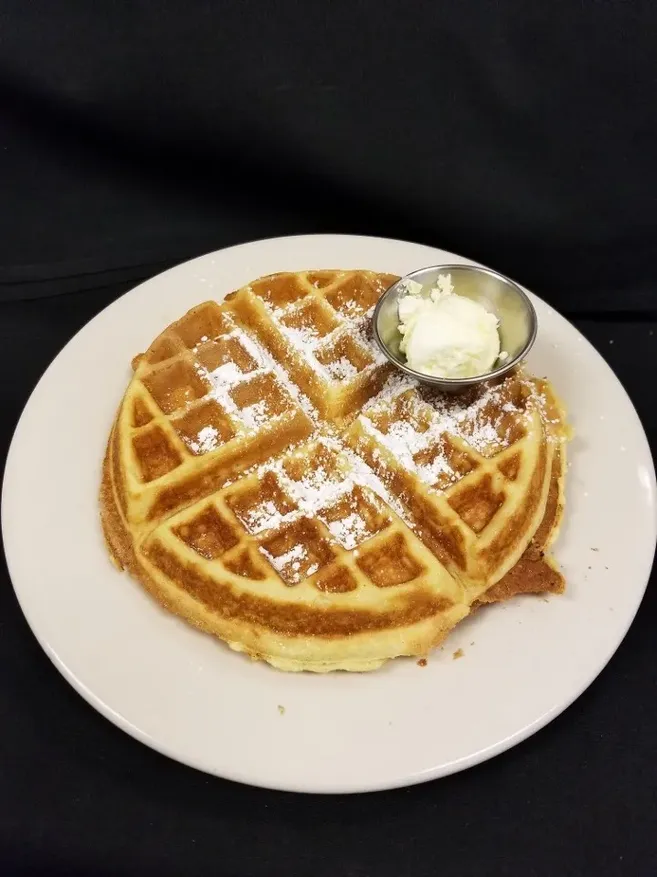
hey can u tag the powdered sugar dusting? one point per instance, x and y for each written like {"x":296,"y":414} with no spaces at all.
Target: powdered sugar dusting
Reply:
{"x":255,"y":415}
{"x":361,"y":473}
{"x":349,"y":531}
{"x":438,"y":469}
{"x":263,"y":517}
{"x":363,"y":333}
{"x":289,"y":564}
{"x":320,"y":494}
{"x":226,"y":377}
{"x":207,"y":440}
{"x":342,"y":369}
{"x":308,"y":342}
{"x":416,"y":434}
{"x":315,"y":490}
{"x":304,"y":337}
{"x":266,"y":362}
{"x":305,"y":341}
{"x":228,"y":373}
{"x":396,"y":384}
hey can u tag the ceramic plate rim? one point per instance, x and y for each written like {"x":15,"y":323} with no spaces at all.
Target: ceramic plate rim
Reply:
{"x":237,"y":773}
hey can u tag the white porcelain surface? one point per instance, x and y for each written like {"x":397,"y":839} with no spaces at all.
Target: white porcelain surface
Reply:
{"x":188,"y":696}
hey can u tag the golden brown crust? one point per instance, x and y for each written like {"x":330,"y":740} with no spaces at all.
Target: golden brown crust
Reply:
{"x":536,"y":497}
{"x":535,"y":573}
{"x":289,"y":619}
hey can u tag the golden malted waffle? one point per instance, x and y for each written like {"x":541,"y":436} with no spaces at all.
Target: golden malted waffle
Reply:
{"x":270,"y":479}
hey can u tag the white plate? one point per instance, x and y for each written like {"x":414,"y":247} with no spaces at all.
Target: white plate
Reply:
{"x":188,"y":696}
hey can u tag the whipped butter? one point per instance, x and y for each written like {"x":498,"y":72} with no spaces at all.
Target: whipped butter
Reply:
{"x":446,"y":335}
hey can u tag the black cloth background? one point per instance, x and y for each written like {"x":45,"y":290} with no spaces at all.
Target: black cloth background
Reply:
{"x":521,"y":134}
{"x":137,"y":134}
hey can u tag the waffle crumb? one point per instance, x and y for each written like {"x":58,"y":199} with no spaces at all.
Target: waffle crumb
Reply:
{"x":459,"y":653}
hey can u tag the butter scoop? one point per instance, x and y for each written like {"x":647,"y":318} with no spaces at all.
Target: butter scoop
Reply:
{"x":444,"y":334}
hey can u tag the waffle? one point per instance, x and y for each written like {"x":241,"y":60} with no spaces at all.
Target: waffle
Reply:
{"x":271,"y":480}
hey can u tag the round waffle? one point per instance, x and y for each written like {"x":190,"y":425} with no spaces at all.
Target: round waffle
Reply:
{"x":272,"y":481}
